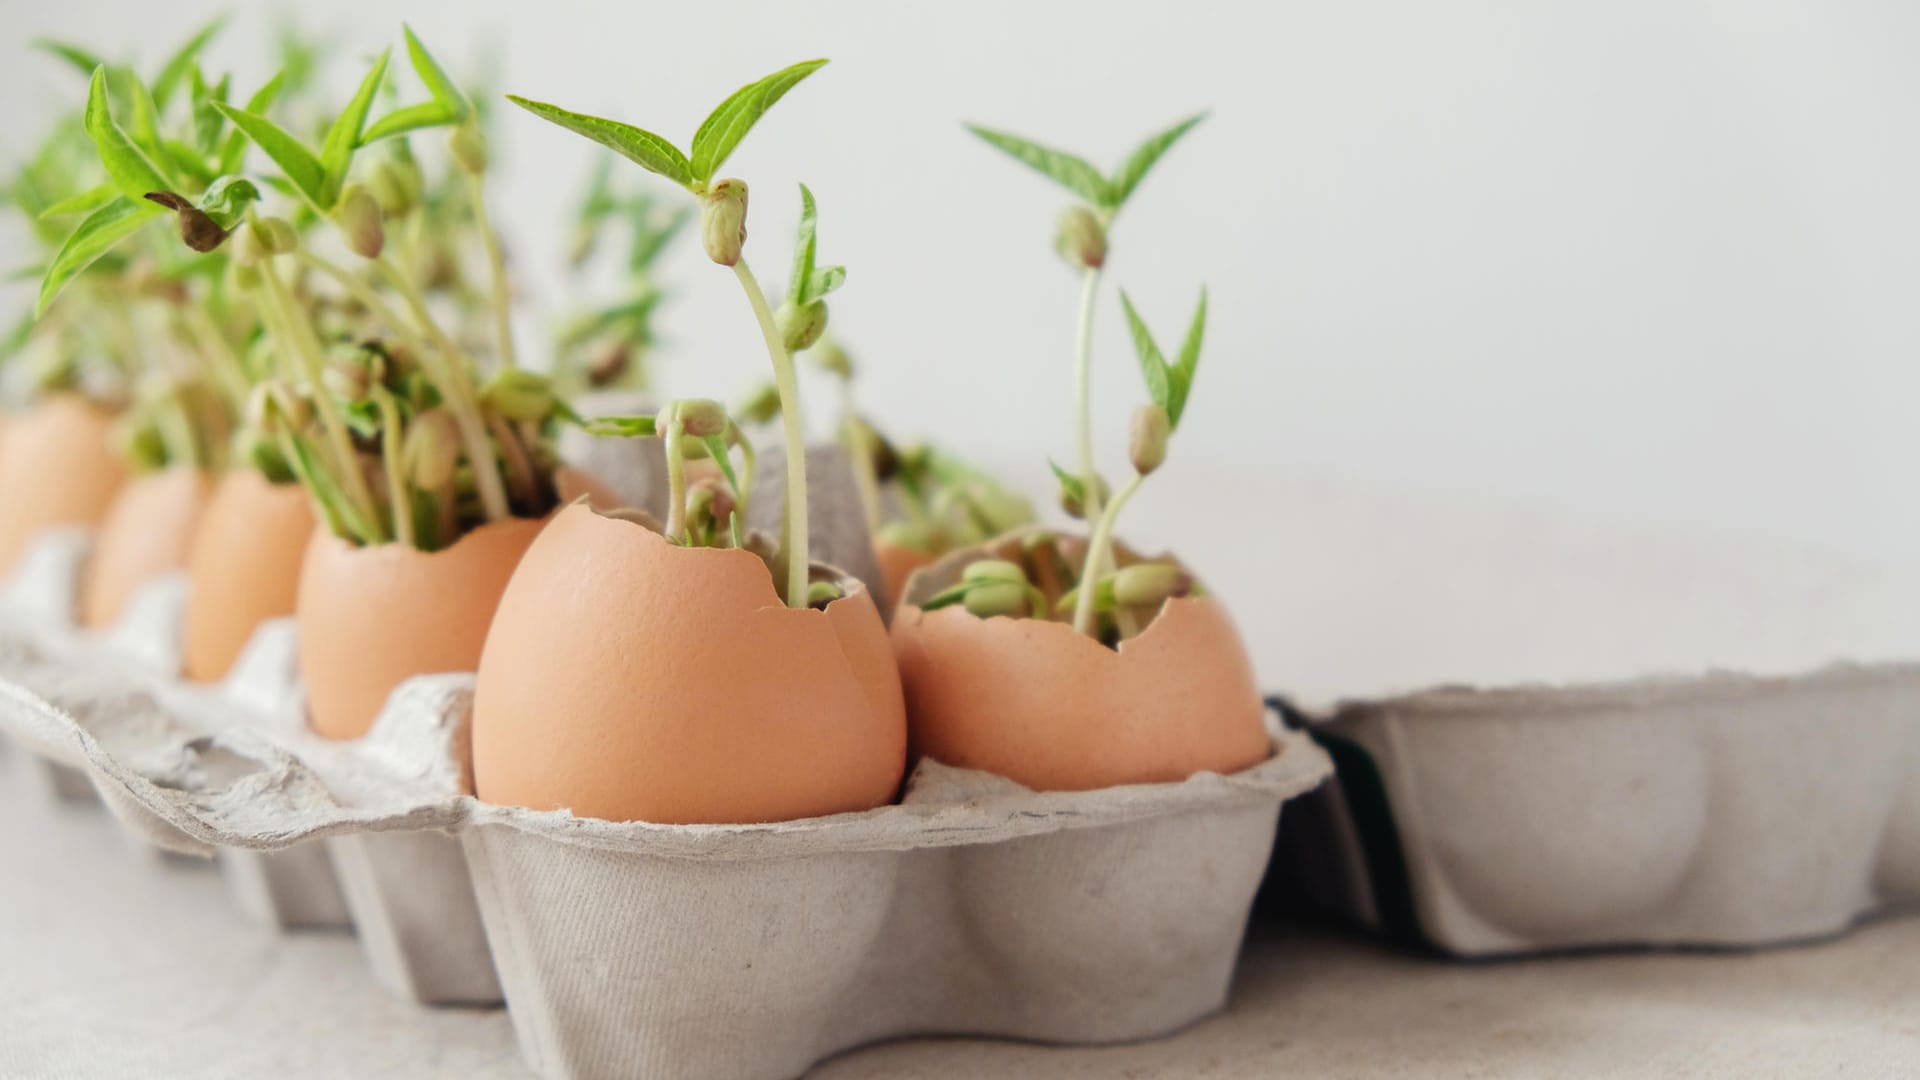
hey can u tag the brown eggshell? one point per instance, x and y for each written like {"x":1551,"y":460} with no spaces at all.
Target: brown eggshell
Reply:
{"x":372,"y":617}
{"x":148,"y":532}
{"x":633,"y":680}
{"x":897,"y":564}
{"x":58,"y":467}
{"x":244,"y":566}
{"x":1058,"y":711}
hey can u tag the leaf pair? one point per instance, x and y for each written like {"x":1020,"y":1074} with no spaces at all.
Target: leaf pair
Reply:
{"x":448,"y":108}
{"x":809,"y":284}
{"x":1168,"y":384}
{"x":1107,"y":193}
{"x":719,"y":134}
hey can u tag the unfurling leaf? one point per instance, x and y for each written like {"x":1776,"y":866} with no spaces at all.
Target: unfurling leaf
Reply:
{"x":803,"y":248}
{"x":825,"y":280}
{"x":95,"y":236}
{"x":336,"y":153}
{"x":1189,"y":360}
{"x":729,"y":123}
{"x":1067,"y":170}
{"x":643,"y":148}
{"x":1135,"y":169}
{"x":294,"y":159}
{"x":226,"y":199}
{"x":435,"y":77}
{"x":1153,"y":365}
{"x":129,"y":169}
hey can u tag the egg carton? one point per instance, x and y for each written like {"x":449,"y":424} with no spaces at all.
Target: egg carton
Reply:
{"x":1714,"y":811}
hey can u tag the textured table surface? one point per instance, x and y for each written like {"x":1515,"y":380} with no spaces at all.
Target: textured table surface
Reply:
{"x":116,"y":963}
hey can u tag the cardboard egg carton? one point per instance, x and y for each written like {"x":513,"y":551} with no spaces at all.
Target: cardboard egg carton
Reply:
{"x":1714,"y":811}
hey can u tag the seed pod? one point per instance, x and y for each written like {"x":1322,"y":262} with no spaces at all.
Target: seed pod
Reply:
{"x":1000,"y":598}
{"x":799,"y":326}
{"x":1071,"y":503}
{"x":831,"y":358}
{"x":822,"y":593}
{"x":723,"y":221}
{"x":396,"y":185}
{"x":519,"y":395}
{"x":197,"y":230}
{"x":359,"y":220}
{"x":609,"y":361}
{"x":701,"y":417}
{"x":1147,"y":446}
{"x":278,"y":236}
{"x":761,"y":406}
{"x":1080,"y":238}
{"x":1147,"y":584}
{"x":431,"y":451}
{"x":469,"y":146}
{"x":994,"y":570}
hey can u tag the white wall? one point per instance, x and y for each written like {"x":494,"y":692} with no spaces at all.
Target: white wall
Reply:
{"x":1649,"y":258}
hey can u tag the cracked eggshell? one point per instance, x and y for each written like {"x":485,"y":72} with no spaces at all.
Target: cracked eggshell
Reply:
{"x":147,"y":533}
{"x":633,"y":680}
{"x":1055,"y":710}
{"x":58,"y":467}
{"x":897,"y":563}
{"x":244,"y":567}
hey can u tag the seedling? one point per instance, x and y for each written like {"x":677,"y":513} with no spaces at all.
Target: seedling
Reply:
{"x":608,"y":346}
{"x":723,"y":216}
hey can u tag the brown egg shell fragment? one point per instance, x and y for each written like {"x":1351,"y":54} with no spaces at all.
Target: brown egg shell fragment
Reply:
{"x":630,"y":679}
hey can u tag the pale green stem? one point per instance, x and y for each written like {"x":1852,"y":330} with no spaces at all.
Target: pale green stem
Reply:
{"x":520,"y":474}
{"x":862,"y":451}
{"x":502,"y":316}
{"x":1097,"y":549}
{"x":1083,"y":392}
{"x":788,"y":384}
{"x":179,"y":433}
{"x":226,"y":363}
{"x":750,"y":461}
{"x":397,"y":492}
{"x":306,"y":351}
{"x":676,"y":476}
{"x":460,"y":398}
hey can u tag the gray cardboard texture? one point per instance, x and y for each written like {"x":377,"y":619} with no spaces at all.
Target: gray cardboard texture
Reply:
{"x":1717,"y":810}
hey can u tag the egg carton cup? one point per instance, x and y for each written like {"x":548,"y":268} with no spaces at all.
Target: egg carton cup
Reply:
{"x":1717,"y":811}
{"x":973,"y":907}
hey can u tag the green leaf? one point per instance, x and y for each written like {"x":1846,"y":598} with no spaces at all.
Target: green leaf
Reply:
{"x":207,"y":121}
{"x":235,"y":150}
{"x":435,"y":77}
{"x":643,"y":148}
{"x":1152,"y":364}
{"x":175,"y":69}
{"x":82,"y":60}
{"x":227,"y":198}
{"x":1070,"y":172}
{"x":411,"y":118}
{"x":803,"y":249}
{"x":295,"y":160}
{"x":129,"y":169}
{"x":824,"y":281}
{"x":649,"y":239}
{"x":84,"y":203}
{"x":620,"y":426}
{"x":336,"y":154}
{"x":1183,"y":369}
{"x":186,"y":161}
{"x":948,"y":596}
{"x":1135,"y":169}
{"x":723,"y":128}
{"x":1074,"y":486}
{"x":143,"y":125}
{"x":96,"y":236}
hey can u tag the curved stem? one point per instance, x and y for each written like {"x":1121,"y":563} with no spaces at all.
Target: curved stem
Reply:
{"x":502,"y":316}
{"x":398,"y":495}
{"x":306,"y":351}
{"x":676,"y":477}
{"x":1083,"y":391}
{"x":789,"y":386}
{"x":1097,"y":549}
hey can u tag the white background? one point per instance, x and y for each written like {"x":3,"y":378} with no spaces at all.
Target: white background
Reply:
{"x":1652,"y":260}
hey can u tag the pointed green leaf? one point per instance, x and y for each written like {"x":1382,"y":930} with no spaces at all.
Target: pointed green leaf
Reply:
{"x":1188,"y":362}
{"x":168,"y":78}
{"x":96,"y":236}
{"x":295,"y":160}
{"x":207,"y":121}
{"x":1135,"y":169}
{"x":723,"y":128}
{"x":84,"y":203}
{"x":643,"y":148}
{"x":435,"y":77}
{"x":143,"y":123}
{"x":336,"y":154}
{"x":803,"y":248}
{"x":824,"y":281}
{"x":1070,"y":172}
{"x":235,"y":149}
{"x":427,"y":114}
{"x":1074,"y":486}
{"x":81,"y":59}
{"x":1152,"y":364}
{"x":129,"y":169}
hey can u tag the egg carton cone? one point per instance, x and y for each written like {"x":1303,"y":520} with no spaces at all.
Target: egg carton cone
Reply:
{"x":1718,"y":811}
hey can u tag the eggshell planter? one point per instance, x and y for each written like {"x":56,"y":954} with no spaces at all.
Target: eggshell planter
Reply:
{"x":58,"y":468}
{"x":147,"y":533}
{"x":1712,"y":811}
{"x":244,"y":567}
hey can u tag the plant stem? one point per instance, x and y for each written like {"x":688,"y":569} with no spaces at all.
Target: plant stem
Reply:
{"x":1083,"y":392}
{"x":788,"y":383}
{"x":458,"y":391}
{"x":502,"y":317}
{"x":230,"y":371}
{"x":306,"y":351}
{"x":520,"y":474}
{"x":676,"y":476}
{"x":1097,"y":549}
{"x":862,"y":451}
{"x":398,"y":495}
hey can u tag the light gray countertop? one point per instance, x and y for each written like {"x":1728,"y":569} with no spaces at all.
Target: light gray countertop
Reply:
{"x":116,"y":963}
